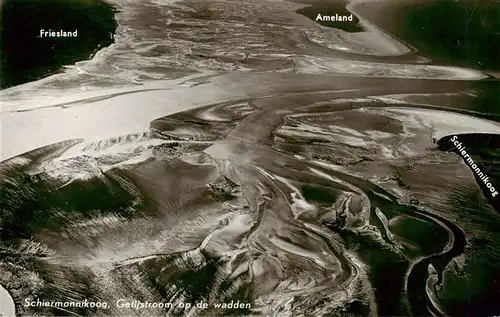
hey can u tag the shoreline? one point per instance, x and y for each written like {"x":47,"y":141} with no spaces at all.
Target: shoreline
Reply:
{"x":28,"y":56}
{"x":411,"y":22}
{"x":113,"y":116}
{"x":400,"y":44}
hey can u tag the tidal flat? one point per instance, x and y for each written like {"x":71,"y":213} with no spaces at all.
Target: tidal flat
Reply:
{"x":26,"y":56}
{"x":226,"y":151}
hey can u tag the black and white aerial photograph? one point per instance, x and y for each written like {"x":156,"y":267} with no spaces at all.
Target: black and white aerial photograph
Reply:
{"x":274,"y":158}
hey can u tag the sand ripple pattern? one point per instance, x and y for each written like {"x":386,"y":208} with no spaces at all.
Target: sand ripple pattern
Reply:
{"x":249,"y":155}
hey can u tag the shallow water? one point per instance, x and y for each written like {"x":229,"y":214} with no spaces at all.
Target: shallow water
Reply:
{"x":223,"y":151}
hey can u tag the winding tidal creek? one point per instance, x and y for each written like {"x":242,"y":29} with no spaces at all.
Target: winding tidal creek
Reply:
{"x":249,"y":158}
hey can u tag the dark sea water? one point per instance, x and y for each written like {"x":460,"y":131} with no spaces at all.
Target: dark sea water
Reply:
{"x":312,"y":12}
{"x":238,"y":151}
{"x":481,"y":284}
{"x":24,"y":56}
